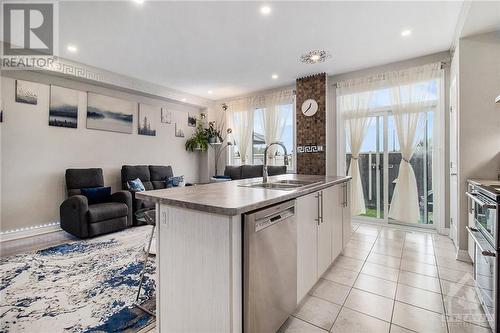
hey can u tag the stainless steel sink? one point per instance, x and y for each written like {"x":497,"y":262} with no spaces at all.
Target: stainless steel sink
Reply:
{"x":285,"y":185}
{"x":272,"y":186}
{"x":295,"y":182}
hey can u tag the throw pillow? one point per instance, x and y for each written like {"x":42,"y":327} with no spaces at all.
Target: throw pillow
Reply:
{"x":97,"y":195}
{"x":136,"y":185}
{"x":174,"y":181}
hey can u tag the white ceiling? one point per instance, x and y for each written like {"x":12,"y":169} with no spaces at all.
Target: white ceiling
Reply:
{"x":482,"y":16}
{"x":231,"y":49}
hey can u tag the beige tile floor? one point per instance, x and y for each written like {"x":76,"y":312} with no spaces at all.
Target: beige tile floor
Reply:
{"x":392,"y":280}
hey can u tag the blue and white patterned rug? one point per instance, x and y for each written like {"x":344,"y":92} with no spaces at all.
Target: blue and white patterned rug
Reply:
{"x":82,"y":286}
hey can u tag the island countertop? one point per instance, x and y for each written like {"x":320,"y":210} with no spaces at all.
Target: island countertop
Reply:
{"x":230,"y":198}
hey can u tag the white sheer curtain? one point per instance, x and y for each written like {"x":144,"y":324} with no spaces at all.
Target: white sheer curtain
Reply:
{"x":353,"y":100}
{"x":273,"y":119}
{"x":241,"y":122}
{"x":411,"y":97}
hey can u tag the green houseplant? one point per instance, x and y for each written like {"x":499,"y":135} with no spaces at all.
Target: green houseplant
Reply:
{"x":199,"y":139}
{"x":213,"y":134}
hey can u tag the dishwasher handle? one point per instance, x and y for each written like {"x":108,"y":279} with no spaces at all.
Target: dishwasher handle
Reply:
{"x":270,"y":220}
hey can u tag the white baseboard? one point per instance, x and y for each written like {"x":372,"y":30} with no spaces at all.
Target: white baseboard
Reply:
{"x":444,"y":231}
{"x":463,"y":255}
{"x":20,"y":233}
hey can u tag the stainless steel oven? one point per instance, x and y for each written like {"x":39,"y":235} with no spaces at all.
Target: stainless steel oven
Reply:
{"x":486,"y":201}
{"x":485,"y":214}
{"x":486,"y":275}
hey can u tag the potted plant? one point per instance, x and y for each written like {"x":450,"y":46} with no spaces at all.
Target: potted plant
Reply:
{"x":213,"y":134}
{"x":199,"y":140}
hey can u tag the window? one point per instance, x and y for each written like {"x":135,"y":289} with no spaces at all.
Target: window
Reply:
{"x":259,"y":142}
{"x":411,"y":107}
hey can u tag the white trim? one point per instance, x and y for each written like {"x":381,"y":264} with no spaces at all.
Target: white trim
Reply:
{"x":77,"y":71}
{"x":440,"y":115}
{"x":26,"y":232}
{"x":463,"y":255}
{"x":444,"y":232}
{"x":407,"y":228}
{"x":459,"y":27}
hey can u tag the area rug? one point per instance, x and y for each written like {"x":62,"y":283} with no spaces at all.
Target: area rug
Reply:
{"x":82,"y":286}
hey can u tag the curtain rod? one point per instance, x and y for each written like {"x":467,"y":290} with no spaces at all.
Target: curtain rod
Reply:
{"x":443,"y":64}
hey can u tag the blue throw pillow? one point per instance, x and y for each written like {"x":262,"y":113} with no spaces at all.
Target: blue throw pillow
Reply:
{"x":174,"y":181}
{"x":97,"y":195}
{"x":222,"y":177}
{"x":136,"y":185}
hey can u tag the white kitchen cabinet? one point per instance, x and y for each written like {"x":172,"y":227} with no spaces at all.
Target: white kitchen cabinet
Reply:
{"x":333,"y":211}
{"x":307,"y":243}
{"x":324,"y":233}
{"x":346,"y":213}
{"x":320,"y":232}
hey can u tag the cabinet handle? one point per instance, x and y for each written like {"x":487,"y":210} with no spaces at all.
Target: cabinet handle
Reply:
{"x":344,"y":195}
{"x":321,"y":211}
{"x":318,"y":220}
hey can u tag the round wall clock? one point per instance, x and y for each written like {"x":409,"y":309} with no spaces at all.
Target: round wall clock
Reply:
{"x":309,"y":107}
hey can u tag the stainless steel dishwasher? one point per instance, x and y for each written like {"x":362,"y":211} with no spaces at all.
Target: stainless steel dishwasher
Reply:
{"x":269,"y":267}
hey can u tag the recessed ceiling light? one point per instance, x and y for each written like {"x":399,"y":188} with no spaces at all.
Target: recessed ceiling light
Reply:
{"x":183,"y":99}
{"x":210,"y":92}
{"x":406,"y":33}
{"x":71,"y":48}
{"x":274,"y":76}
{"x":314,"y":57}
{"x":265,"y":10}
{"x":140,"y":2}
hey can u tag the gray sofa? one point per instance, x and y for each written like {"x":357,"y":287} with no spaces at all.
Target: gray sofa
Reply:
{"x":84,"y":220}
{"x":252,"y":171}
{"x":152,"y":176}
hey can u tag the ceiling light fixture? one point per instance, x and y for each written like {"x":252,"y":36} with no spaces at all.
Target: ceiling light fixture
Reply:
{"x":140,"y":2}
{"x":183,"y":99}
{"x":265,"y":10}
{"x":210,"y":92}
{"x":406,"y":33}
{"x":71,"y":48}
{"x":274,"y":76}
{"x":314,"y":57}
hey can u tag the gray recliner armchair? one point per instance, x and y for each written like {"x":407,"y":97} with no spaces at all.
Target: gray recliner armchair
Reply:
{"x":84,"y":220}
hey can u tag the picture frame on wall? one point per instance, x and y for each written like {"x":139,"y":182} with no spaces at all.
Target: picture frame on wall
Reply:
{"x":106,"y":113}
{"x":191,"y":120}
{"x":166,"y":116}
{"x":179,"y":132}
{"x":26,"y":92}
{"x":63,"y":107}
{"x":146,"y":121}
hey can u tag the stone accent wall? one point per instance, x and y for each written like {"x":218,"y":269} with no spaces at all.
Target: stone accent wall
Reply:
{"x":311,"y":131}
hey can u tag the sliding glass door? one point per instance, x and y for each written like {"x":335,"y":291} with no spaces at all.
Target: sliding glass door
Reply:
{"x":379,"y":163}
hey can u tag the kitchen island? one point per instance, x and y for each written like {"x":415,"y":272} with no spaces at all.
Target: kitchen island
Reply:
{"x":200,"y":244}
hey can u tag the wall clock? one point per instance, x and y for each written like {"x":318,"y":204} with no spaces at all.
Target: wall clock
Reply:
{"x":309,"y":107}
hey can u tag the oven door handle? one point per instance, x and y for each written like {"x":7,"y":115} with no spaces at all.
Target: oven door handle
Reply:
{"x":488,"y":253}
{"x":484,"y":252}
{"x":478,"y":201}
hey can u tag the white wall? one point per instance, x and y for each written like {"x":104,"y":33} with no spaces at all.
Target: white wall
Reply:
{"x":34,"y":156}
{"x":479,"y":116}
